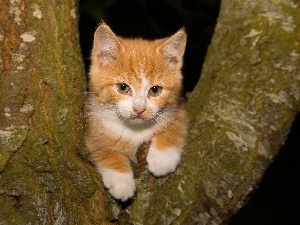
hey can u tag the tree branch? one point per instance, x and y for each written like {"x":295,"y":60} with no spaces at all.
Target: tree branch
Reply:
{"x":241,"y":112}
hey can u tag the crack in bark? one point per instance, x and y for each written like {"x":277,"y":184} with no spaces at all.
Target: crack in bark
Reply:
{"x":47,"y":93}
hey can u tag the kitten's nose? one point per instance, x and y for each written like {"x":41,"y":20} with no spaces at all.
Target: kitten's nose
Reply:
{"x":139,"y":109}
{"x":139,"y":105}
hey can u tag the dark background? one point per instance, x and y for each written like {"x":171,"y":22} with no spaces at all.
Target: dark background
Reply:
{"x":276,"y":200}
{"x":152,"y":19}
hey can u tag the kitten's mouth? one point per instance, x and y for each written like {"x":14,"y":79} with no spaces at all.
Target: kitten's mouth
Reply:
{"x":137,"y":118}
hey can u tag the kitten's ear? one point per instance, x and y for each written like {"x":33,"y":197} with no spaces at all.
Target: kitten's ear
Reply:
{"x":106,"y":45}
{"x":173,"y":48}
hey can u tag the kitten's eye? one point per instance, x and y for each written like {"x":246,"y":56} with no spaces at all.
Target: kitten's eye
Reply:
{"x":155,"y":91}
{"x":123,"y":88}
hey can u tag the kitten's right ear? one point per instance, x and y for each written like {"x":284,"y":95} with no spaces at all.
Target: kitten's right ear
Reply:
{"x":173,"y":48}
{"x":106,"y":45}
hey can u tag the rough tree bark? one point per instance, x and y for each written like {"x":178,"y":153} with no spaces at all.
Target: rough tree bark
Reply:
{"x":43,"y":179}
{"x":240,"y":111}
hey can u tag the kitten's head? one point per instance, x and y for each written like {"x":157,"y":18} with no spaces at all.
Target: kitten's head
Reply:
{"x":136,"y":78}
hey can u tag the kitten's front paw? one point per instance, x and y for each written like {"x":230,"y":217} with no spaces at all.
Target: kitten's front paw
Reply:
{"x":120,"y":185}
{"x":162,"y":162}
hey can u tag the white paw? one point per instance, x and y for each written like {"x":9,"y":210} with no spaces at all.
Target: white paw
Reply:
{"x":120,"y":185}
{"x":162,"y":162}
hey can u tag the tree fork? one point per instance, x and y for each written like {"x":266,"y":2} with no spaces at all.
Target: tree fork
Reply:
{"x":241,"y":111}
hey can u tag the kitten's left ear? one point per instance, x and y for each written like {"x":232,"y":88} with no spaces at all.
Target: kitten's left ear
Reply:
{"x":173,"y":48}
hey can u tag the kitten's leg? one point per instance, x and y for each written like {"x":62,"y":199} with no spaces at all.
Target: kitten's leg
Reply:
{"x":116,"y":174}
{"x":166,"y":148}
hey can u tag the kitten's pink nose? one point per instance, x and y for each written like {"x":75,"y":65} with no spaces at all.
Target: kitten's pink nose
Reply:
{"x":139,"y":109}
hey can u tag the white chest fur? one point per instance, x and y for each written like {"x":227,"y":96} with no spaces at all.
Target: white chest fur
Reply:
{"x":137,"y":136}
{"x":118,"y":127}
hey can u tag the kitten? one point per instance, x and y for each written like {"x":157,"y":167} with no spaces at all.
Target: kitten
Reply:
{"x":135,"y":88}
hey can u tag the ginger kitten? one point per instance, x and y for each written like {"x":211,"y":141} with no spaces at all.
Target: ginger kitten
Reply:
{"x":135,"y":87}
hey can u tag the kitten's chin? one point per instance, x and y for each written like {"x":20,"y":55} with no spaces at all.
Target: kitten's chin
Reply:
{"x":138,"y":122}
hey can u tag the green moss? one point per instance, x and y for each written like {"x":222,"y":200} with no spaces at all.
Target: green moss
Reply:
{"x":41,"y":171}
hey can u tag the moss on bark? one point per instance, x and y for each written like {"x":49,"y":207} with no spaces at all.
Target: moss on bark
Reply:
{"x":43,"y":179}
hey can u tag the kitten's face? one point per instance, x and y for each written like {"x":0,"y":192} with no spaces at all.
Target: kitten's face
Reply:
{"x":140,"y":99}
{"x":134,"y":78}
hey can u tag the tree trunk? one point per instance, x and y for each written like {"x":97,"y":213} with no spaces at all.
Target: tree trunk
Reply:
{"x":240,"y":112}
{"x":43,"y":179}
